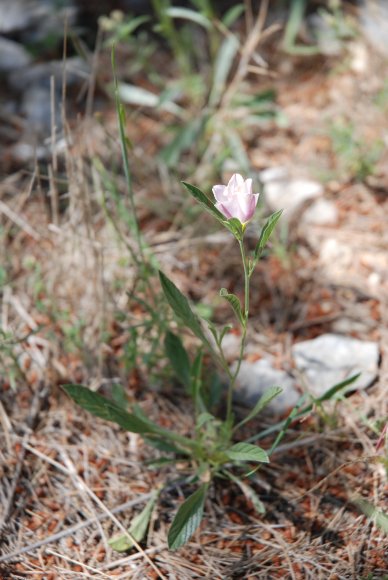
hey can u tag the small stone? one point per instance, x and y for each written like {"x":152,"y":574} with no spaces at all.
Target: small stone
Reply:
{"x":290,"y":195}
{"x":13,"y":55}
{"x":374,"y":24}
{"x":277,"y":173}
{"x":331,"y":358}
{"x":321,"y":213}
{"x":256,"y":377}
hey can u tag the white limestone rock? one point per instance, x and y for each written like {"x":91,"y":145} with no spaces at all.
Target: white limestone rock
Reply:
{"x":332,"y":358}
{"x":255,"y":377}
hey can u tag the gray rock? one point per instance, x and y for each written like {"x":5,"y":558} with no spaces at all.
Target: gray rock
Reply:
{"x":255,"y":377}
{"x":332,"y":358}
{"x":321,"y":213}
{"x":13,"y":55}
{"x":40,"y":74}
{"x":290,"y":195}
{"x":276,"y":173}
{"x":35,"y":18}
{"x":374,"y":23}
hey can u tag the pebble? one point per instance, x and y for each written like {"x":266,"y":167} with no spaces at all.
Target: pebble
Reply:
{"x":321,"y":213}
{"x":13,"y":55}
{"x":331,"y":358}
{"x":321,"y":363}
{"x":283,"y":192}
{"x":255,"y":377}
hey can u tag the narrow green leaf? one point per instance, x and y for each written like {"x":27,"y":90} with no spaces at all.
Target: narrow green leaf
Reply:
{"x":375,"y":514}
{"x":138,"y":527}
{"x":105,"y":409}
{"x":125,"y":30}
{"x":224,"y":331}
{"x":213,"y":330}
{"x":264,"y":400}
{"x":196,"y":382}
{"x":204,"y":418}
{"x":185,"y":137}
{"x":164,"y":445}
{"x":133,"y":95}
{"x":247,"y":452}
{"x":187,"y":14}
{"x":297,"y":412}
{"x":161,"y":461}
{"x":178,"y":357}
{"x":266,"y":232}
{"x":223,"y":64}
{"x":235,"y":304}
{"x":181,"y":307}
{"x":330,"y":393}
{"x":237,"y":148}
{"x":249,"y":493}
{"x":232,"y":15}
{"x":205,"y":202}
{"x":187,"y":519}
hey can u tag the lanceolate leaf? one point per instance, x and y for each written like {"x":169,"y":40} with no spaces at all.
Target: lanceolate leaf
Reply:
{"x":375,"y":514}
{"x":266,"y":232}
{"x":181,"y":306}
{"x":164,"y":445}
{"x":187,"y":518}
{"x":205,"y":202}
{"x":222,"y":67}
{"x":232,"y":15}
{"x":137,"y":529}
{"x":196,"y":381}
{"x":235,"y":304}
{"x":178,"y":357}
{"x":264,"y":400}
{"x":247,"y":452}
{"x":106,"y":409}
{"x":187,"y":14}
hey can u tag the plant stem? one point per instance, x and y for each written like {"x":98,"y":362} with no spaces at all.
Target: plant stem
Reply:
{"x":243,"y":337}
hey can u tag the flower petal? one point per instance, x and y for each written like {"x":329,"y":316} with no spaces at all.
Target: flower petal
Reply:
{"x":247,"y":206}
{"x":248,"y":186}
{"x":223,"y":208}
{"x":220,"y":192}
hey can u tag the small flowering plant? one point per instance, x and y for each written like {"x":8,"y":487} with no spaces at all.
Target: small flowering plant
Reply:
{"x":212,"y":451}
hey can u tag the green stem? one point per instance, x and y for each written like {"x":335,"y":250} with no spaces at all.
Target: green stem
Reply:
{"x":243,"y":337}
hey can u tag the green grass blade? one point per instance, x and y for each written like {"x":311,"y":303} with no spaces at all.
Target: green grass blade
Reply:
{"x":264,"y":400}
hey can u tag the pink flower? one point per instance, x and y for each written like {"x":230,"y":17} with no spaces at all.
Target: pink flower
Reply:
{"x":236,"y":199}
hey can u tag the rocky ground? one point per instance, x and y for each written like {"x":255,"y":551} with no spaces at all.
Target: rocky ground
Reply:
{"x":319,"y":316}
